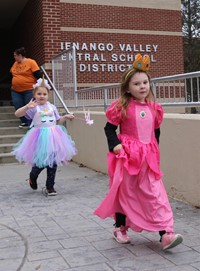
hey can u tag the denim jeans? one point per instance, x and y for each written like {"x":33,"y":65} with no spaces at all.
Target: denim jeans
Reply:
{"x":20,"y":99}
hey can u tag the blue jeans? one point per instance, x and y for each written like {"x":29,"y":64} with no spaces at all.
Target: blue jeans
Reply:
{"x":20,"y":99}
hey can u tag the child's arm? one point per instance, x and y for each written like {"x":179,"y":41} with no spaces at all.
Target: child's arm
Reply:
{"x":157,"y":134}
{"x":63,"y":118}
{"x":114,"y":143}
{"x":22,"y":110}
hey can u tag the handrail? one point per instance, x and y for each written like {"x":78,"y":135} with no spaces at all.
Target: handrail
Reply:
{"x":55,"y":90}
{"x":174,"y":90}
{"x":176,"y":77}
{"x":97,"y":87}
{"x":64,"y":76}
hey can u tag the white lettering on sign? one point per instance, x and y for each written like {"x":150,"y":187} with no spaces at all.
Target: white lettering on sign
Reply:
{"x":87,"y":47}
{"x":107,"y":56}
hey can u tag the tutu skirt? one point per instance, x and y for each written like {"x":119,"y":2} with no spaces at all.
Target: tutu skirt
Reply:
{"x":45,"y":146}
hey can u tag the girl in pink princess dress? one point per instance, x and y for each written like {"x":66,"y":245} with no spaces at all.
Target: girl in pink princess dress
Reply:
{"x":137,"y":198}
{"x":47,"y":144}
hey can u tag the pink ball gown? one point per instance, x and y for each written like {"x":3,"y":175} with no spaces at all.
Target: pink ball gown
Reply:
{"x":136,"y":187}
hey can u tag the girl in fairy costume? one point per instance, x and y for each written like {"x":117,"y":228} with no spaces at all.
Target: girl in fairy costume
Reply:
{"x":47,"y":144}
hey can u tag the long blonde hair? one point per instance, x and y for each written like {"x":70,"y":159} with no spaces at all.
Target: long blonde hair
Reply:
{"x":125,"y":96}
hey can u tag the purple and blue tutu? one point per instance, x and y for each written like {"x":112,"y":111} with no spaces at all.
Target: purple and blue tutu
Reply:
{"x":45,"y":146}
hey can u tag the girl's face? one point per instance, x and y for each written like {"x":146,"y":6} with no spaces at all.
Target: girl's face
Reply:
{"x":139,"y":86}
{"x":41,"y":95}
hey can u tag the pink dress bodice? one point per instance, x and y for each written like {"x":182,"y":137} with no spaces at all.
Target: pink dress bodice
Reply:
{"x":137,"y":135}
{"x":139,"y":123}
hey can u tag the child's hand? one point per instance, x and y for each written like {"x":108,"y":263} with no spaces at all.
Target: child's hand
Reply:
{"x":69,"y":116}
{"x":33,"y":103}
{"x":117,"y":148}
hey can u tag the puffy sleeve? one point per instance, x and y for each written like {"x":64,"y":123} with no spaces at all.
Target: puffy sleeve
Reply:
{"x":30,"y":113}
{"x":114,"y":113}
{"x":159,"y":115}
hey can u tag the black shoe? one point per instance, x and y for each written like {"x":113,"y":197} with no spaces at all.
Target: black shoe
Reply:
{"x":51,"y":192}
{"x":24,"y":125}
{"x":33,"y":184}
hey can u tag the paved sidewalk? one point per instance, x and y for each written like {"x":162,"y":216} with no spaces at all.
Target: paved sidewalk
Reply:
{"x":61,"y":233}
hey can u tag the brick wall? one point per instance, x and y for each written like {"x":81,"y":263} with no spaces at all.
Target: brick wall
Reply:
{"x":166,"y":23}
{"x":77,"y":15}
{"x":169,"y":57}
{"x":51,"y":28}
{"x":44,"y":24}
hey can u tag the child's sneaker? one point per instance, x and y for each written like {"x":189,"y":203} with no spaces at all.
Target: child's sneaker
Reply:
{"x":51,"y":192}
{"x":121,"y":236}
{"x":33,"y":184}
{"x":24,"y":125}
{"x":170,"y":240}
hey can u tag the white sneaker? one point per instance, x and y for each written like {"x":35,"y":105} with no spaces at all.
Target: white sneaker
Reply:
{"x":23,"y":125}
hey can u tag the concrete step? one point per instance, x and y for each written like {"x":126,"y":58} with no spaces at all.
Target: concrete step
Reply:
{"x":4,"y":139}
{"x":7,"y":158}
{"x":12,"y":131}
{"x":6,"y":148}
{"x":6,"y":103}
{"x":7,"y":109}
{"x":10,"y":123}
{"x":7,"y":116}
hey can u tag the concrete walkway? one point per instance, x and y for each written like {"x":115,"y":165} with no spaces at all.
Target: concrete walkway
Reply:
{"x":61,"y":233}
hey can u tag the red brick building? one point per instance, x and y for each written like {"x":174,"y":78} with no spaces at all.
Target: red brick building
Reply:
{"x":107,"y":35}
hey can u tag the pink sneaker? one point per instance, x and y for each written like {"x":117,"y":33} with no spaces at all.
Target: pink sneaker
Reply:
{"x":170,"y":240}
{"x":120,"y":235}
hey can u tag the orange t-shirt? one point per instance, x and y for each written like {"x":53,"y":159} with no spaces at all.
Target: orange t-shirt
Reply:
{"x":22,"y":73}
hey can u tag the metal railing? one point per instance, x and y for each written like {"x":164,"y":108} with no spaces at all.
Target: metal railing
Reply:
{"x":56,"y":92}
{"x":64,"y":77}
{"x":176,"y":90}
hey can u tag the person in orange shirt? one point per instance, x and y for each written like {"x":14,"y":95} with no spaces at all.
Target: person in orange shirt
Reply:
{"x":25,"y":72}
